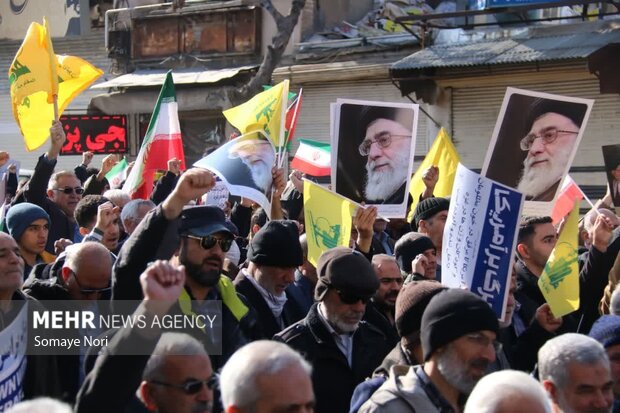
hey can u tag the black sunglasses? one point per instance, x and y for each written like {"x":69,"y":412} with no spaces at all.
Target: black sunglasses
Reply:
{"x":89,"y":291}
{"x":209,"y":242}
{"x":68,"y":190}
{"x":191,"y":386}
{"x":350,"y":298}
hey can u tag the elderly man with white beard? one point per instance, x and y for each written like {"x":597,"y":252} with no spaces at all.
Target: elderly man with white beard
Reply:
{"x":258,"y":155}
{"x":552,"y":128}
{"x":342,"y":349}
{"x":387,"y":144}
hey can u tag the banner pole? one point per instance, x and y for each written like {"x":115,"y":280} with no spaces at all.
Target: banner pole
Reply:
{"x":56,"y":107}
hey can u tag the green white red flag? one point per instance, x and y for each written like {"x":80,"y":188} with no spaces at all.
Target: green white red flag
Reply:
{"x":161,"y":143}
{"x":312,"y":158}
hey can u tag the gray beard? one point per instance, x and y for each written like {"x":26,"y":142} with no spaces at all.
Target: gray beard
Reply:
{"x":454,"y":371}
{"x":382,"y":184}
{"x":534,"y":182}
{"x":261,"y":174}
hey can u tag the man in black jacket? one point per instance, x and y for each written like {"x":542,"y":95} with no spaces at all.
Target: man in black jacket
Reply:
{"x":173,"y":373}
{"x":83,"y":274}
{"x":273,"y":254}
{"x":537,"y":238}
{"x":342,"y":348}
{"x":198,"y":238}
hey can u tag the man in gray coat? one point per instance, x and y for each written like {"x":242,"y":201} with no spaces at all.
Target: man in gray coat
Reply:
{"x":458,"y":335}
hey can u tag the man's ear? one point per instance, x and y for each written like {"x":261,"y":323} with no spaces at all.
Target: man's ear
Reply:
{"x":65,"y":272}
{"x":145,"y":394}
{"x":422,"y":226}
{"x":255,"y":228}
{"x":84,"y":231}
{"x":50,"y":194}
{"x":523,"y":250}
{"x":551,"y":390}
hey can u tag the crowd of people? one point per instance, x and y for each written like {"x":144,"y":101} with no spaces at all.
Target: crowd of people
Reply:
{"x":370,"y":328}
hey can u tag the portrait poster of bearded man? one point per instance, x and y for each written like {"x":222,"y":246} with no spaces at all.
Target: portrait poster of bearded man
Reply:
{"x":244,"y":164}
{"x":533,"y":145}
{"x":372,"y":153}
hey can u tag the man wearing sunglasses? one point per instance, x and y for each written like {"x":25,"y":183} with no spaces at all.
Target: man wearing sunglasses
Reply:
{"x":198,"y":238}
{"x":551,"y":133}
{"x":79,"y":276}
{"x":171,"y":372}
{"x":57,"y":193}
{"x":387,"y":145}
{"x":273,"y":254}
{"x":342,"y":348}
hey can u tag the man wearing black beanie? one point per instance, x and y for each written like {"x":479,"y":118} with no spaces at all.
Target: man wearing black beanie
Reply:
{"x":274,"y":253}
{"x":429,"y":218}
{"x":458,"y":334}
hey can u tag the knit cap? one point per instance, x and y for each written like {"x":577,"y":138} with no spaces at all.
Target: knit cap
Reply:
{"x":21,"y":216}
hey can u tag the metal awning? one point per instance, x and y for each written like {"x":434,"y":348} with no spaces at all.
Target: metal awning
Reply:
{"x":147,"y":78}
{"x":535,"y":44}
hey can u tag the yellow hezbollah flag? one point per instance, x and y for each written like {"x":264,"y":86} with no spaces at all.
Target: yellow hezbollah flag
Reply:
{"x":264,"y":111}
{"x":327,"y":218}
{"x":35,"y":76}
{"x":443,"y":155}
{"x":559,"y":281}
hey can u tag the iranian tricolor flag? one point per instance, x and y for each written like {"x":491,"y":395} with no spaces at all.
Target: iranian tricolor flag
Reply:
{"x":117,"y":174}
{"x":312,"y":158}
{"x":161,"y":143}
{"x":564,"y":204}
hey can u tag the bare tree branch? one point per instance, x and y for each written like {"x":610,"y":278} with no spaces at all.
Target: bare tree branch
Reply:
{"x":285,"y":27}
{"x":268,"y":5}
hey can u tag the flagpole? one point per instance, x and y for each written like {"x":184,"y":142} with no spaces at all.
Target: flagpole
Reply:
{"x":56,"y":107}
{"x":294,"y":120}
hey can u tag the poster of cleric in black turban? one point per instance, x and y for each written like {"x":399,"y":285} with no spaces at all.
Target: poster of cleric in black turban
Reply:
{"x":244,"y":165}
{"x":533,"y":145}
{"x":372,"y":153}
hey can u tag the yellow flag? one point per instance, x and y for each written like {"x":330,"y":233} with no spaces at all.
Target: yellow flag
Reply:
{"x":327,"y":218}
{"x":559,"y":281}
{"x":264,"y":111}
{"x":443,"y":155}
{"x":35,"y":76}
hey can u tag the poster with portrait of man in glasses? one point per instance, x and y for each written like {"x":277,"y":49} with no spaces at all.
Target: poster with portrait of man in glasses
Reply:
{"x":533,"y":144}
{"x":372,"y":153}
{"x":244,"y":165}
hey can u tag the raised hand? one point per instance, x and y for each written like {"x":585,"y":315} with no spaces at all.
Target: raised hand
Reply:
{"x":162,"y":281}
{"x":57,"y":139}
{"x":87,"y":158}
{"x":546,"y":319}
{"x":174,"y":166}
{"x":106,"y":214}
